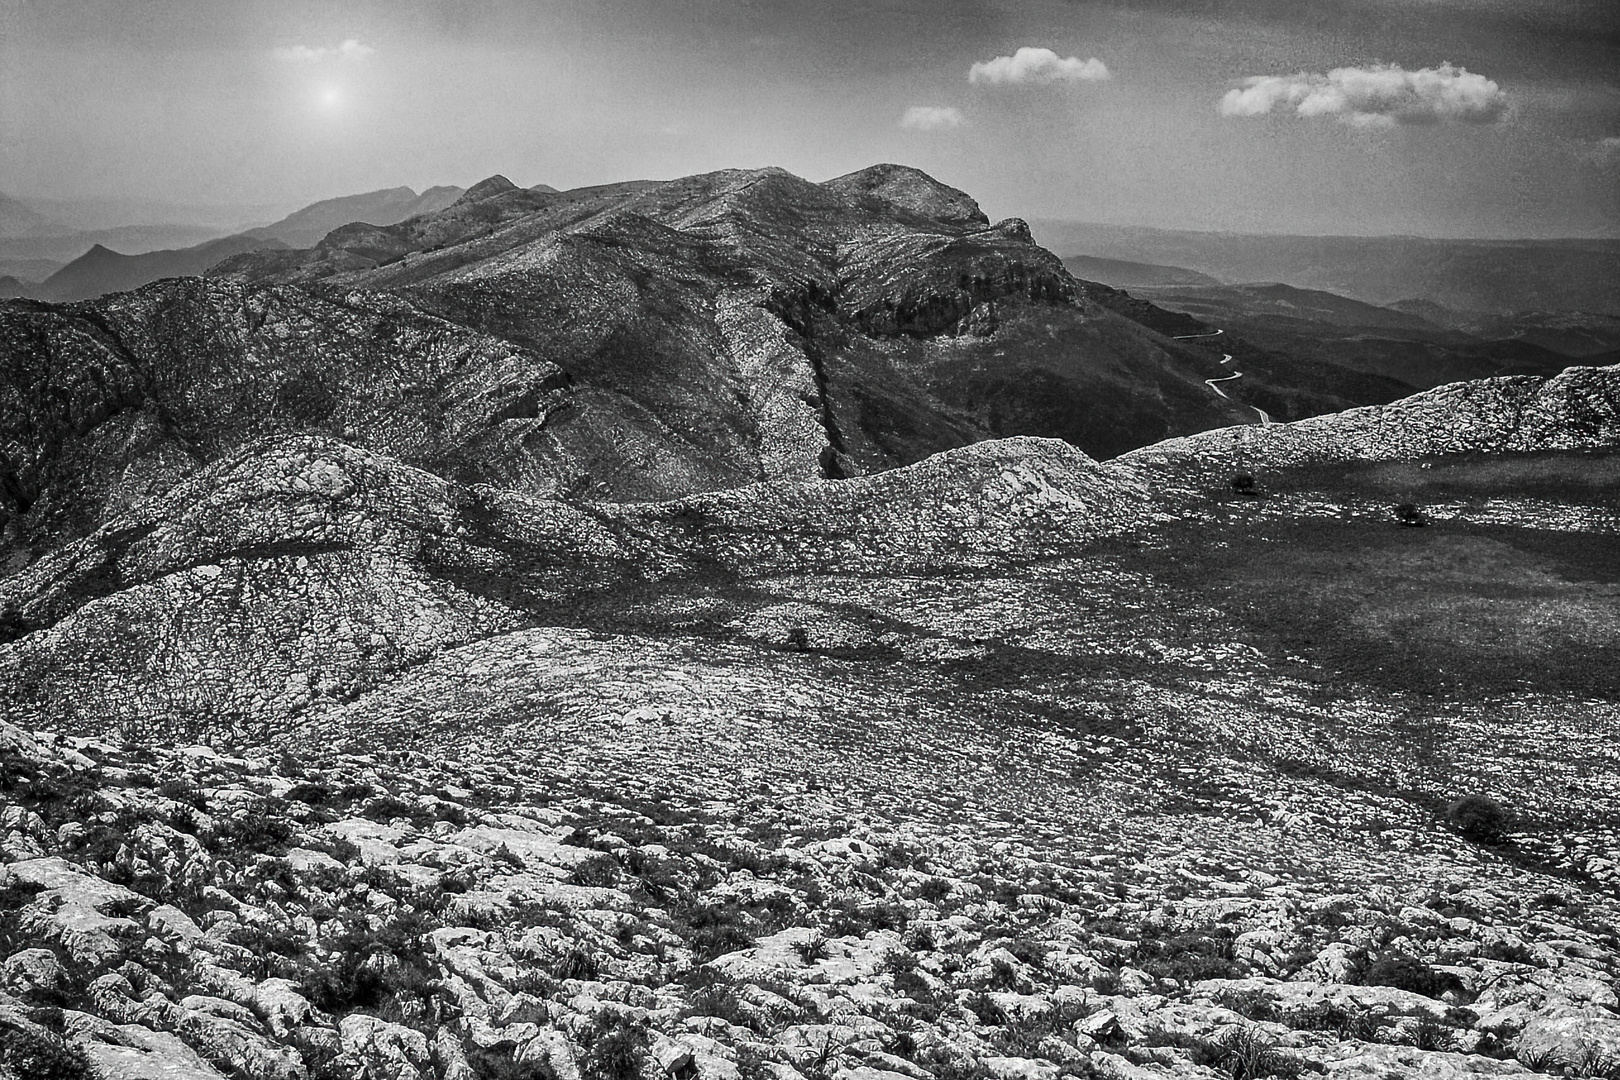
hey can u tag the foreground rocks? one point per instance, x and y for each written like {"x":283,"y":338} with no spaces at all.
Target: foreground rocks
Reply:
{"x":190,"y":914}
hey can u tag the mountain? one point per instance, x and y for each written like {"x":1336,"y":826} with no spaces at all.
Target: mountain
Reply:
{"x":101,"y":270}
{"x":588,"y":635}
{"x":77,"y":227}
{"x":1572,"y":333}
{"x":639,"y":341}
{"x":1122,"y":274}
{"x":18,"y":218}
{"x":64,"y":246}
{"x":305,"y":227}
{"x":1497,"y":276}
{"x":1346,"y":336}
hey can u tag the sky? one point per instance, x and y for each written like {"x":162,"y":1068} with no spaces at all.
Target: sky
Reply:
{"x":1459,"y":118}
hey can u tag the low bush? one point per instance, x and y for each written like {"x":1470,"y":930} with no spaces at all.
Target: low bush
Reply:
{"x":1409,"y":973}
{"x":41,"y":1055}
{"x":616,"y":1048}
{"x":1247,"y":1053}
{"x":598,"y":871}
{"x":812,"y":948}
{"x":1480,"y":818}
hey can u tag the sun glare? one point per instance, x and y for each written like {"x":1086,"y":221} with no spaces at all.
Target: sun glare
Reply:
{"x":330,"y":98}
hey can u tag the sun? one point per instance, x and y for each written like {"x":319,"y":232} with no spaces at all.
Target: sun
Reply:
{"x":330,"y":98}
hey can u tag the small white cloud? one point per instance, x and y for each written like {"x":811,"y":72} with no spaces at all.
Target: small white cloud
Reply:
{"x":348,"y":49}
{"x":1381,"y":95}
{"x":931,"y":118}
{"x":1031,"y":64}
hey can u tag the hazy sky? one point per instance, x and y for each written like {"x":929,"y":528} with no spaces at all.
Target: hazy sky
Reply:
{"x":1438,"y":117}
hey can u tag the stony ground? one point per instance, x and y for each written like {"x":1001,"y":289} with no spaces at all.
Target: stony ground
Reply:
{"x":188,"y":914}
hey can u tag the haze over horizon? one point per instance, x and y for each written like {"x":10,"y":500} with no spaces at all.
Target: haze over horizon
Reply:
{"x":1453,"y":118}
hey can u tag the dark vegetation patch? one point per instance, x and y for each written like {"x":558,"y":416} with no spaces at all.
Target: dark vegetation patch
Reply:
{"x":1457,"y":610}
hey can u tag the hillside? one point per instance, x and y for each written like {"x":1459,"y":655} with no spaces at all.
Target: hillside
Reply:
{"x":1416,"y":348}
{"x":1006,"y":763}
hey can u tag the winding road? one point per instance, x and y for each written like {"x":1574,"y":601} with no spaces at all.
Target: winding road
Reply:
{"x":1226,"y":358}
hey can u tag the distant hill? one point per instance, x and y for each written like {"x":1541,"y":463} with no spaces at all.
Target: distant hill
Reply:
{"x":306,"y":227}
{"x":1496,"y":276}
{"x":102,"y":270}
{"x":1123,"y":274}
{"x":1286,"y":305}
{"x":1396,"y":343}
{"x":1573,"y":333}
{"x":63,"y":247}
{"x":17,"y":218}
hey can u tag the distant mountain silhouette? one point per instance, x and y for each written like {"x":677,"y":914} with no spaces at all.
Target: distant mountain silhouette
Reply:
{"x":1496,"y":276}
{"x":305,"y":227}
{"x":1124,"y":274}
{"x":102,"y":270}
{"x":17,"y":219}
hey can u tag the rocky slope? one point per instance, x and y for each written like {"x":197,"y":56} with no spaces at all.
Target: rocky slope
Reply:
{"x":959,"y":770}
{"x":638,"y":341}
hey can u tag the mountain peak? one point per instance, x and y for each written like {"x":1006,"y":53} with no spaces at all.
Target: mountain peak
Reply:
{"x":484,"y":189}
{"x":909,"y":189}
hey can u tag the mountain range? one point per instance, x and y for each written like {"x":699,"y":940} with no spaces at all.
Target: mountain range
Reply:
{"x":629,"y":342}
{"x":741,"y":628}
{"x":33,"y":243}
{"x":1496,"y":276}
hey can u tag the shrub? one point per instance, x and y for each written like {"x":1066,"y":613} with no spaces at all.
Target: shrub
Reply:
{"x":1362,"y":1026}
{"x":1410,"y":515}
{"x":720,"y":999}
{"x":1191,"y":957}
{"x":40,"y":1055}
{"x":1430,"y":1035}
{"x":812,"y":948}
{"x":577,"y":963}
{"x":255,"y":832}
{"x":1480,"y":818}
{"x":600,"y":871}
{"x":1409,"y":973}
{"x":984,"y":1007}
{"x":1244,"y":484}
{"x":1247,"y":1053}
{"x":616,"y":1048}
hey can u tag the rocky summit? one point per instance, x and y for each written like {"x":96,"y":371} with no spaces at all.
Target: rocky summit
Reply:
{"x":746,"y":629}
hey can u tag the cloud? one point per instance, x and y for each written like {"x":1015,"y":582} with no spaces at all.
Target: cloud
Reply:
{"x":349,"y":49}
{"x":1380,"y":95}
{"x":1030,"y":64}
{"x":931,"y":118}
